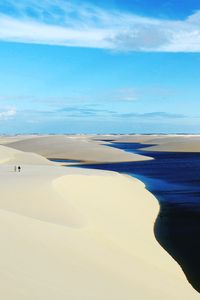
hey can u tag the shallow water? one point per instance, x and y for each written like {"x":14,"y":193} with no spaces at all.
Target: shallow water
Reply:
{"x":174,"y":178}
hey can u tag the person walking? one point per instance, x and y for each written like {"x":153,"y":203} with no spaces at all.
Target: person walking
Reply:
{"x":19,"y":168}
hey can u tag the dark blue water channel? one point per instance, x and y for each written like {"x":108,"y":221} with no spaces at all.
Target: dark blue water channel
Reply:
{"x":174,"y":178}
{"x":60,"y":160}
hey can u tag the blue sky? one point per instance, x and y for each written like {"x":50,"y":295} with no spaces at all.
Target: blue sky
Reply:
{"x":99,"y":66}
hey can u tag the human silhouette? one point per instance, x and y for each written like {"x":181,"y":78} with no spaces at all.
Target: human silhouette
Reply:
{"x":19,"y":168}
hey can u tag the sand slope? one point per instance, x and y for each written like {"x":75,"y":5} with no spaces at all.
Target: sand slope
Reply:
{"x":72,"y":147}
{"x":168,"y":143}
{"x":69,"y":233}
{"x":13,"y":156}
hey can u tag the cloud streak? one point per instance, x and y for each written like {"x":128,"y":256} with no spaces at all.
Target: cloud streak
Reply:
{"x":7,"y":114}
{"x":79,"y":25}
{"x":89,"y":112}
{"x":153,"y":115}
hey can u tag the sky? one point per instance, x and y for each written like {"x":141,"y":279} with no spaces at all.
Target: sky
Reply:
{"x":101,"y":66}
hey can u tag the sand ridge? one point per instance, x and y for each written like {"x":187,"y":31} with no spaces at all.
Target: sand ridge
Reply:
{"x":82,"y":148}
{"x":166,"y":143}
{"x":71,"y":233}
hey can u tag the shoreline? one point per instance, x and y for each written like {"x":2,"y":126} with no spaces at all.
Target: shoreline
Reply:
{"x":92,"y":148}
{"x":88,"y":233}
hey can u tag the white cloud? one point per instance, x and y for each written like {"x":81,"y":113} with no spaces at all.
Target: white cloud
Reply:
{"x":39,"y":33}
{"x":68,"y":24}
{"x":7,"y":114}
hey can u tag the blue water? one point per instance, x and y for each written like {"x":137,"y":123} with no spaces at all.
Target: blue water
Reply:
{"x":64,"y":160}
{"x":174,"y":178}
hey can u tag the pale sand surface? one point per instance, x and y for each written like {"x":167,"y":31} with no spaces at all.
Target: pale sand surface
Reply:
{"x":15,"y":138}
{"x":82,"y":148}
{"x":69,"y":233}
{"x":169,"y":143}
{"x":94,"y":148}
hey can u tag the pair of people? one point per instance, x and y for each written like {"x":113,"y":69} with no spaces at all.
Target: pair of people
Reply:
{"x":17,"y":168}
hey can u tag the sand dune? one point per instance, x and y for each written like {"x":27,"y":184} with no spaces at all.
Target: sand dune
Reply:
{"x":72,"y":147}
{"x":69,"y":233}
{"x":185,"y":144}
{"x":4,"y":139}
{"x":13,"y":156}
{"x":94,"y":148}
{"x":169,"y":143}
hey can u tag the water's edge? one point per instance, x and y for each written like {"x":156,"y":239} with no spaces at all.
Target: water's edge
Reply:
{"x":177,"y":226}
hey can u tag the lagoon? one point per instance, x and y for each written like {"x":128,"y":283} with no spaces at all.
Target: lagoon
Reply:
{"x":174,"y":178}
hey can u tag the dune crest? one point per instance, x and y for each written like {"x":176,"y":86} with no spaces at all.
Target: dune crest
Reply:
{"x":70,"y":233}
{"x":12,"y":156}
{"x":81,"y":148}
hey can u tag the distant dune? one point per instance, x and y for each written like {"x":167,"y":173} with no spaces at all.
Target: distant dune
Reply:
{"x":169,"y":143}
{"x":70,"y":233}
{"x":82,"y":148}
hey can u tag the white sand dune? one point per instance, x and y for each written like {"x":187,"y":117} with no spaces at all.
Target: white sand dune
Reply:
{"x":168,"y":143}
{"x":73,"y":147}
{"x":184,"y":144}
{"x":13,"y":156}
{"x":70,"y":233}
{"x":94,"y":148}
